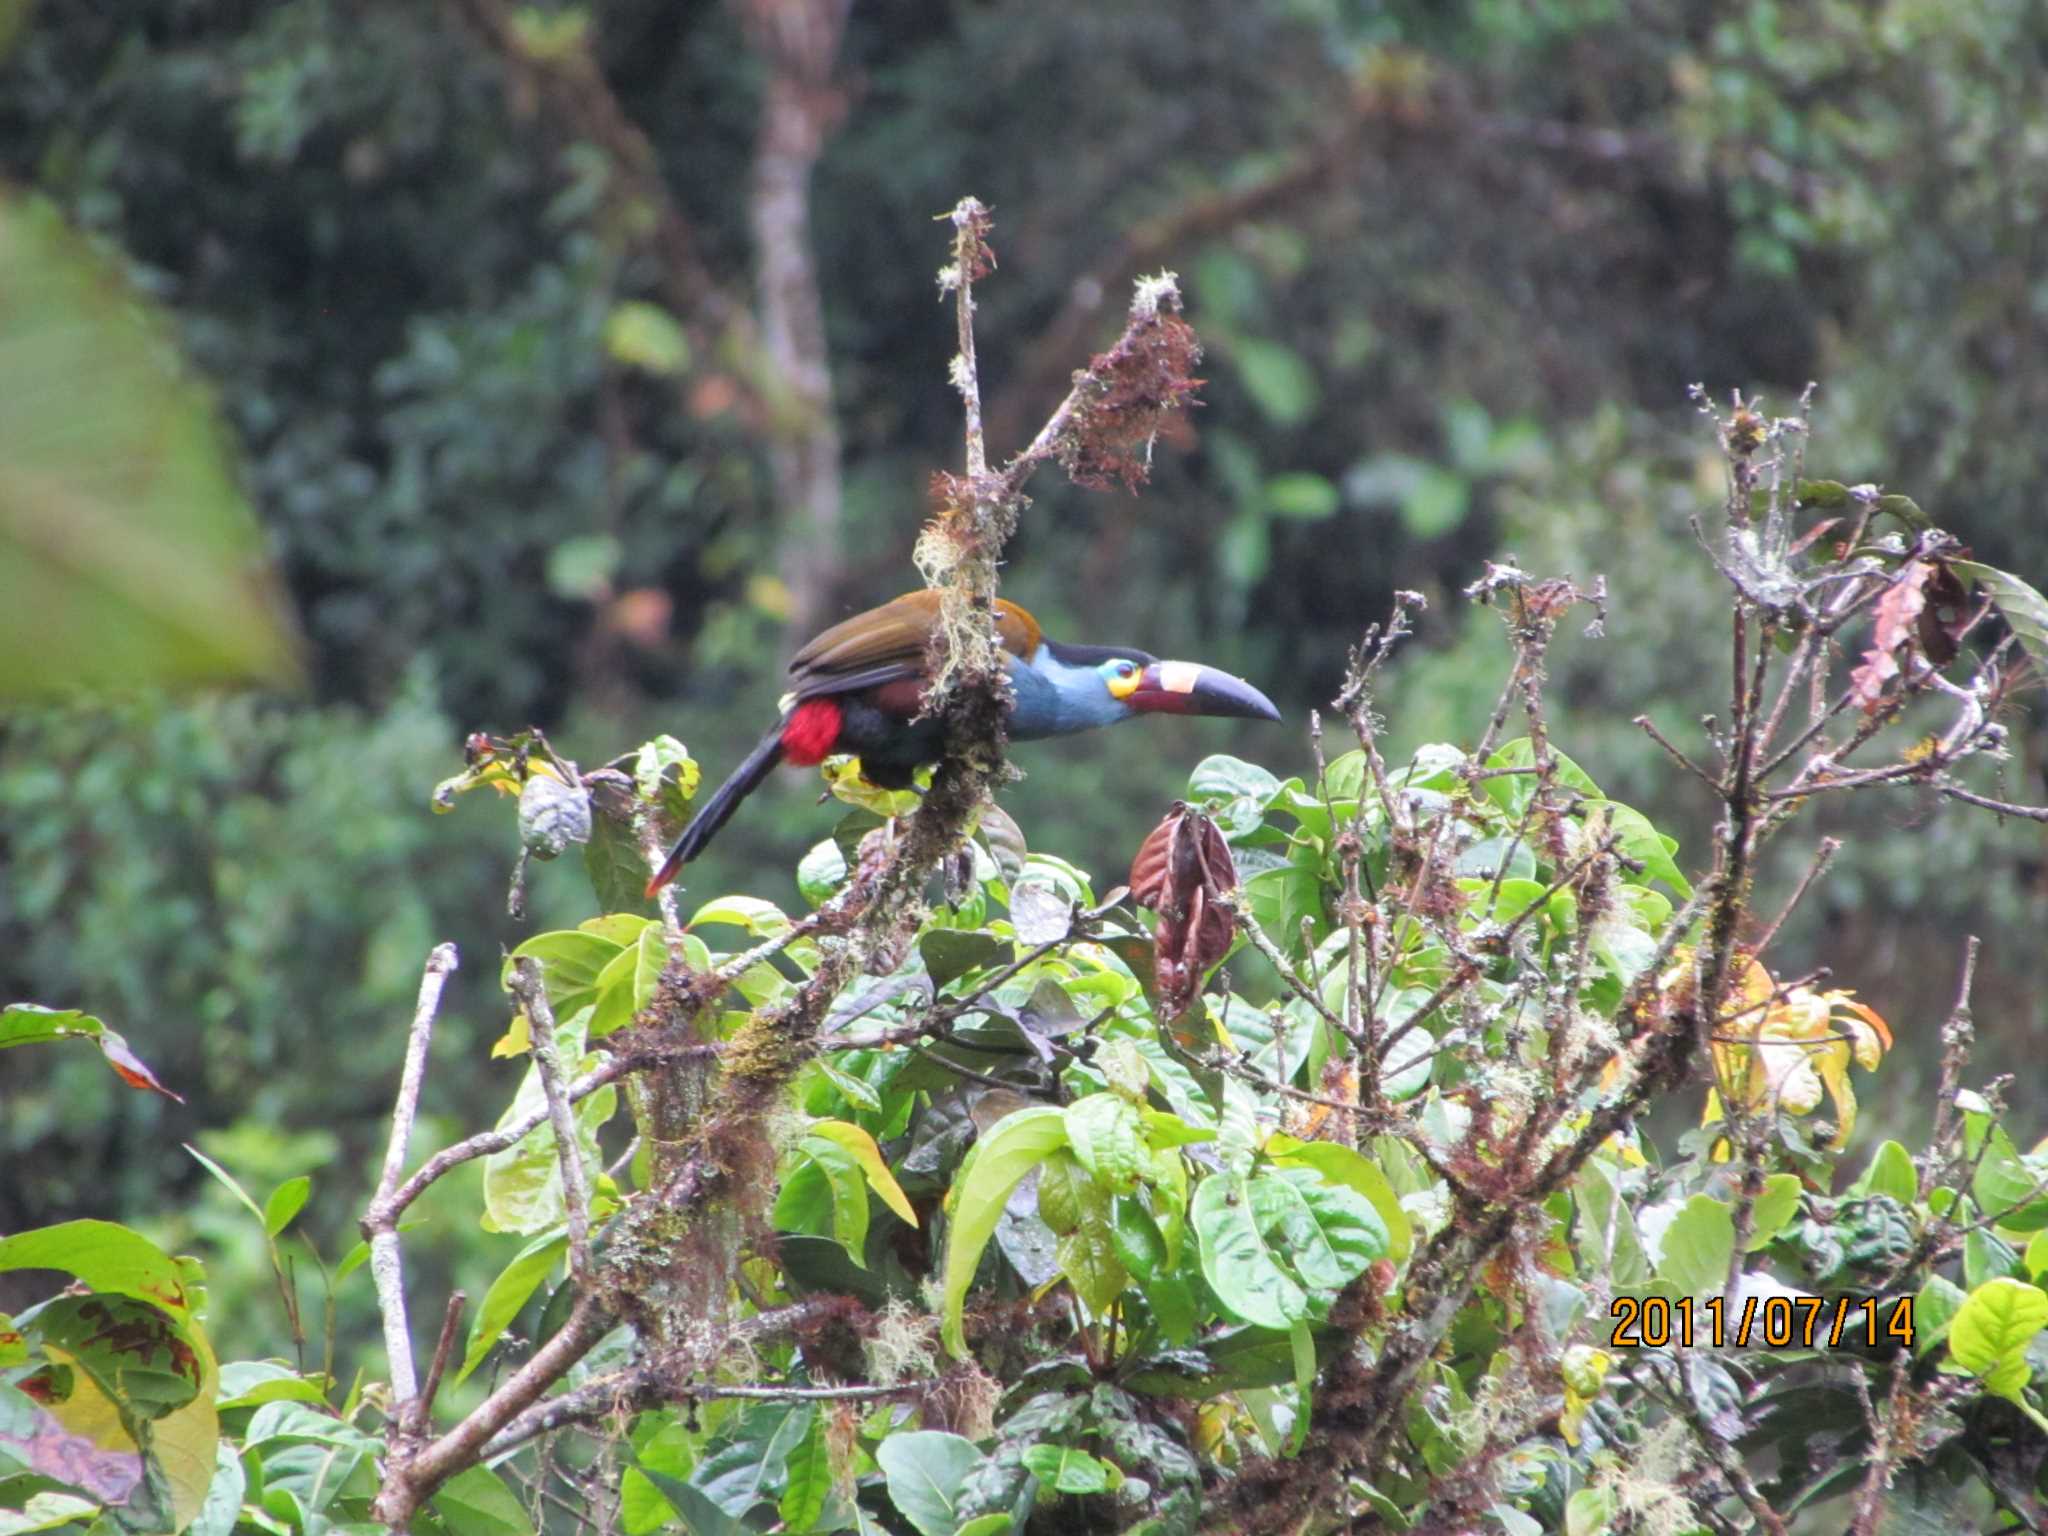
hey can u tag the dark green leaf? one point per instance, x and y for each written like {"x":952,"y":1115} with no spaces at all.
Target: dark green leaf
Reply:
{"x":950,"y":953}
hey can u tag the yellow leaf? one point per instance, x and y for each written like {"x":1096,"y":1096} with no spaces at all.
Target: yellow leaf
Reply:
{"x":517,"y":1039}
{"x":861,"y":1146}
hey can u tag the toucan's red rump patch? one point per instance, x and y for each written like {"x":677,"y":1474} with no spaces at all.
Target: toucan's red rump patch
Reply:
{"x":810,"y":732}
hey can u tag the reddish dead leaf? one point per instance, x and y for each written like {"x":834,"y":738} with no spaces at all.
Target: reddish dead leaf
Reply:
{"x":1898,"y":623}
{"x":131,"y":1068}
{"x":1184,"y":872}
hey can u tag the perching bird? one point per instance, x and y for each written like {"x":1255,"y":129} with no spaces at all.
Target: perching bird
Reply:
{"x":860,"y":684}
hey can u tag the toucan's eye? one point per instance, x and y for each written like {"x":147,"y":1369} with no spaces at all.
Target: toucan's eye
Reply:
{"x":1122,"y":677}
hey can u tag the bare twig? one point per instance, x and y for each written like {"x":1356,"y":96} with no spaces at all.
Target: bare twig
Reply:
{"x":422,"y":1407}
{"x":380,"y":1221}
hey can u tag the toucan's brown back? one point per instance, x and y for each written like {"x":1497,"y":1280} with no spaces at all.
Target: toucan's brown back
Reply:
{"x":891,"y":643}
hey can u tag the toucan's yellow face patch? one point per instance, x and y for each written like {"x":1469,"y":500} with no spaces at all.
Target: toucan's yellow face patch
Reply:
{"x":1122,"y":678}
{"x":1178,"y":676}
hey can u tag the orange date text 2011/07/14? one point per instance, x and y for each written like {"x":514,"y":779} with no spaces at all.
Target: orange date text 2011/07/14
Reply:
{"x":1768,"y":1322}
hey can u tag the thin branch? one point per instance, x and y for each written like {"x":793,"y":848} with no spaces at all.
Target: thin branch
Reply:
{"x":1823,"y":856}
{"x":2003,"y":807}
{"x":422,"y":1407}
{"x":970,"y":224}
{"x":380,"y":1222}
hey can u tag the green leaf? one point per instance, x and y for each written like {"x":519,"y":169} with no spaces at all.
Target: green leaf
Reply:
{"x":1279,"y":899}
{"x":227,"y":1181}
{"x":1301,"y":1342}
{"x":513,"y":1288}
{"x":128,"y":555}
{"x":105,"y":1257}
{"x":762,"y":919}
{"x":950,"y":953}
{"x":523,"y":1182}
{"x":808,"y":1480}
{"x":1698,"y":1246}
{"x":1107,"y":1136}
{"x":1990,"y":1334}
{"x":1589,"y":1512}
{"x":647,"y":337}
{"x":571,"y":961}
{"x":1344,"y":1165}
{"x":848,"y":1192}
{"x":1220,"y":777}
{"x":285,"y":1203}
{"x":860,"y":1146}
{"x":1238,"y":1258}
{"x":822,"y":871}
{"x":751,"y":1457}
{"x":1280,"y":383}
{"x":1934,"y":1312}
{"x":30,"y":1024}
{"x":1776,"y":1206}
{"x":1327,"y":1232}
{"x":627,"y":983}
{"x":476,"y":1502}
{"x":1303,"y":497}
{"x":1891,"y":1173}
{"x":924,"y":1469}
{"x":997,"y":1163}
{"x":2008,"y":1190}
{"x":45,"y":1512}
{"x":1066,"y":1470}
{"x":2024,"y":608}
{"x":700,"y":1515}
{"x":1635,"y":837}
{"x":1435,"y":503}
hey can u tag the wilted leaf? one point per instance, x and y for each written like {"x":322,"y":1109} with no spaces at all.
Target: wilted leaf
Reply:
{"x":1184,"y":872}
{"x":1898,"y":625}
{"x":1039,"y":914}
{"x":27,"y":1023}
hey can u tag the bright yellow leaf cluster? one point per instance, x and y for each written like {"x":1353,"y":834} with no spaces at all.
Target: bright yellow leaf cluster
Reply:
{"x":1785,"y":1047}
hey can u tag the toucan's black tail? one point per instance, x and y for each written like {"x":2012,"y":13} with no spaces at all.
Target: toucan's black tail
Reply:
{"x":715,"y":812}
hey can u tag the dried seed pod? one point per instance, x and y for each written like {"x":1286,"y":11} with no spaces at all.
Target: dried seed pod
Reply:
{"x":1184,"y":872}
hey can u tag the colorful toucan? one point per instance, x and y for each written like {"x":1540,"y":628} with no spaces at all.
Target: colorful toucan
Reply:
{"x":859,"y":686}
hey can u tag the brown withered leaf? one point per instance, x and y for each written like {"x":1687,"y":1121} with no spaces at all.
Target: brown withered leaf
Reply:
{"x":1898,"y":622}
{"x":1946,"y":617}
{"x":1184,"y":871}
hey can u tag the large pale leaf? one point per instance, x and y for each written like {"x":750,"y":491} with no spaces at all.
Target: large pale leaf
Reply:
{"x":127,"y":554}
{"x":1991,"y":1332}
{"x":996,"y":1165}
{"x":924,"y":1469}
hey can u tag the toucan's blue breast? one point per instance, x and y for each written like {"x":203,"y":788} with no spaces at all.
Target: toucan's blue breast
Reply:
{"x":1055,"y":698}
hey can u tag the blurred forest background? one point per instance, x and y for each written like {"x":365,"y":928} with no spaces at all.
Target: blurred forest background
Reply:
{"x":584,"y":359}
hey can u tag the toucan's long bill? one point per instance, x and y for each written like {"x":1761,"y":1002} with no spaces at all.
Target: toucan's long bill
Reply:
{"x":1189,"y":688}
